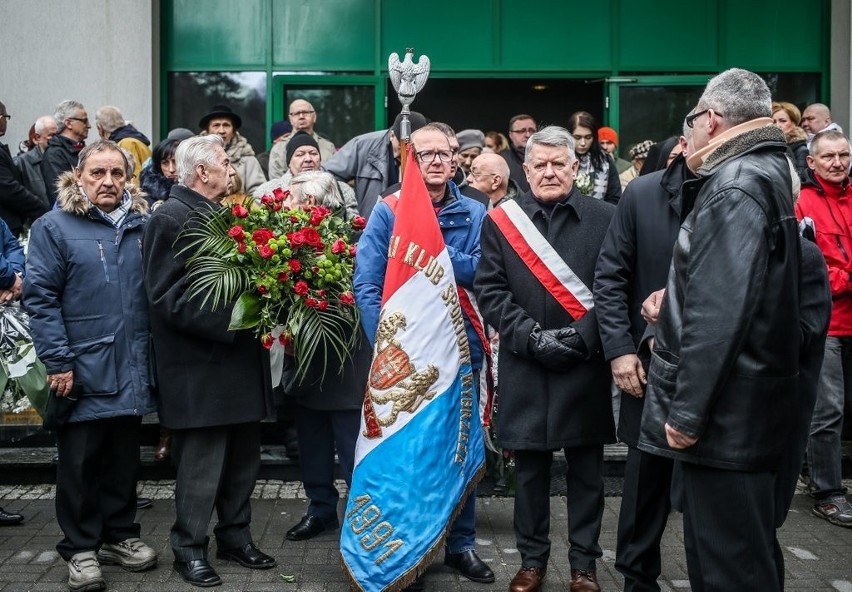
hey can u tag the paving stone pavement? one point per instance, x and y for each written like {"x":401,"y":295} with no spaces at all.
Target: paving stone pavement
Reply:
{"x":818,"y":555}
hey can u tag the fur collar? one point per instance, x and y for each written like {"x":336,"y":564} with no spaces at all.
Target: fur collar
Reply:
{"x":70,"y":199}
{"x":734,"y":142}
{"x":237,"y":149}
{"x":796,"y":134}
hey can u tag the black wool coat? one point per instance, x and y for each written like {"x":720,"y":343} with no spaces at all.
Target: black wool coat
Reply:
{"x":539,"y":409}
{"x":634,"y":262}
{"x":207,"y":375}
{"x":17,"y":203}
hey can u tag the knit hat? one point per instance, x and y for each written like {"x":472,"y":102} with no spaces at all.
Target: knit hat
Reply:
{"x":298,"y":140}
{"x":470,"y":138}
{"x":607,"y":134}
{"x":640,"y":150}
{"x":221,"y":111}
{"x":279,"y":128}
{"x":416,"y":119}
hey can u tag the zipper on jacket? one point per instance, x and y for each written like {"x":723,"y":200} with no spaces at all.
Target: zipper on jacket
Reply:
{"x":103,"y":260}
{"x":840,"y":246}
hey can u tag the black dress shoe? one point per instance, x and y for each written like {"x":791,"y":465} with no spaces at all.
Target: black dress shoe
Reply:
{"x":248,"y":556}
{"x":198,"y":572}
{"x":310,"y":526}
{"x":9,"y":519}
{"x":468,"y":564}
{"x":143,"y":503}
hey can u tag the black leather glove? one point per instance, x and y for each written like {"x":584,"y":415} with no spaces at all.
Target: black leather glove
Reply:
{"x":557,"y":349}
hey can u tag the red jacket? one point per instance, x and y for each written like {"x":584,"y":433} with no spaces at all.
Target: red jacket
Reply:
{"x":830,"y":207}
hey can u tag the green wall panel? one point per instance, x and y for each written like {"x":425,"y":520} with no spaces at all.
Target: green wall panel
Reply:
{"x":668,"y":36}
{"x":324,"y":35}
{"x":220,"y":34}
{"x":548,"y":35}
{"x":766,"y":35}
{"x":455,"y":34}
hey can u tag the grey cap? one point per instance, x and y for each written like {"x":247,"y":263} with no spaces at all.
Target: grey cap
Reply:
{"x":180,"y":133}
{"x":470,"y":138}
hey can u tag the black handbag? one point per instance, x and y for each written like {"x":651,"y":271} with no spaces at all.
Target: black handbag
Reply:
{"x":59,"y":409}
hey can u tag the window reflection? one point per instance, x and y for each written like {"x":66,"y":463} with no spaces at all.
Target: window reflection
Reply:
{"x":343,"y":112}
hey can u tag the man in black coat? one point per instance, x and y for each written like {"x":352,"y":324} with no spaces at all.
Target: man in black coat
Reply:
{"x":533,"y":285}
{"x":521,"y":127}
{"x":214,"y":384}
{"x":72,"y":124}
{"x":634,"y":262}
{"x":17,"y":203}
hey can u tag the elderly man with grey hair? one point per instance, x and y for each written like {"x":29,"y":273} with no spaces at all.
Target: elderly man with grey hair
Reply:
{"x":554,"y":381}
{"x":72,"y":127}
{"x":29,"y":162}
{"x":214,"y":383}
{"x":112,"y":126}
{"x":722,"y":382}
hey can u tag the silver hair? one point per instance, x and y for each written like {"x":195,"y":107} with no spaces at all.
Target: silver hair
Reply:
{"x":63,"y":111}
{"x":319,"y":185}
{"x":109,"y":118}
{"x":826,"y":135}
{"x":737,"y":95}
{"x":552,"y":135}
{"x":38,"y":126}
{"x":194,"y":151}
{"x":104,"y":146}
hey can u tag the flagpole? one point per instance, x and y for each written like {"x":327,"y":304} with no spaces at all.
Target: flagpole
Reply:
{"x":408,"y":79}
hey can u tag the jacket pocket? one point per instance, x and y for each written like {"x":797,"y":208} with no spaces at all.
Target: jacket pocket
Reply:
{"x":663,"y":370}
{"x":94,"y":365}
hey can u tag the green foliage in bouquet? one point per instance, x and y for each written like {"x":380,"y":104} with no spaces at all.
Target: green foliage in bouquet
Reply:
{"x":279,"y":267}
{"x":23,"y":381}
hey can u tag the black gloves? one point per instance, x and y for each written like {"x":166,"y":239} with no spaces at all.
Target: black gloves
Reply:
{"x":557,"y":349}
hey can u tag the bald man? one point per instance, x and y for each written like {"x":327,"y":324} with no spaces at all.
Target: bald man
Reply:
{"x":489,"y":173}
{"x":303,"y":117}
{"x":29,"y":163}
{"x":817,"y":118}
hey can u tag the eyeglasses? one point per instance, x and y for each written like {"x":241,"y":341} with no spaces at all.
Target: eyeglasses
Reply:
{"x":476,"y":176}
{"x":526,"y":130}
{"x":690,"y":119}
{"x":429,"y":156}
{"x":84,"y":120}
{"x":7,"y":116}
{"x":301,"y":113}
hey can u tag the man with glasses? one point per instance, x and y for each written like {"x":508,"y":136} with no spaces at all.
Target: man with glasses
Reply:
{"x":521,"y":127}
{"x":460,"y":219}
{"x":17,"y":203}
{"x":489,"y":173}
{"x":302,"y":117}
{"x":72,"y":124}
{"x":534,"y":286}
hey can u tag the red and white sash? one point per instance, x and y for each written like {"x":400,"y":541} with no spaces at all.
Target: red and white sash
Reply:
{"x":542,"y":259}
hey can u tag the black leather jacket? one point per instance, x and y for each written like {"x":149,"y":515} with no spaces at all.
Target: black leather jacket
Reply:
{"x":726,"y":356}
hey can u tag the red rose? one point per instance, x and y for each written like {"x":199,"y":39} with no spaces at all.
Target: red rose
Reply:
{"x":311,"y":302}
{"x":267,"y":340}
{"x":347,"y":298}
{"x":352,"y":250}
{"x":241,"y":247}
{"x":236,"y":233}
{"x":301,"y":288}
{"x":315,"y":268}
{"x":283,"y":276}
{"x":279,"y":194}
{"x":265,"y":251}
{"x":294,"y":219}
{"x":321,"y":293}
{"x":267,"y":200}
{"x":339,"y":247}
{"x":261,"y":236}
{"x":359,"y":222}
{"x":240,"y":211}
{"x":262,"y":289}
{"x":276,"y":207}
{"x":285,"y":339}
{"x":323,"y":305}
{"x":312,"y":237}
{"x":296,"y":239}
{"x":295,"y":265}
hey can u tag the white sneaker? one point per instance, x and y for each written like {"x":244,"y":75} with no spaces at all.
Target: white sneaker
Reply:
{"x":84,"y":572}
{"x":131,"y":554}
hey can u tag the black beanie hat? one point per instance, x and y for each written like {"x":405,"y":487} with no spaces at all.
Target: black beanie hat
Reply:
{"x":298,"y":140}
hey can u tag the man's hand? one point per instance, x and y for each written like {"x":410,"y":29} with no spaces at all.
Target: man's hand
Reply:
{"x":678,"y":440}
{"x":61,"y":383}
{"x":557,"y":349}
{"x":628,"y":374}
{"x":17,"y":287}
{"x":651,"y":307}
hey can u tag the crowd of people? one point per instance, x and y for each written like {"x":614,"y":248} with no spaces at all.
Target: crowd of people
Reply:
{"x":596,"y":275}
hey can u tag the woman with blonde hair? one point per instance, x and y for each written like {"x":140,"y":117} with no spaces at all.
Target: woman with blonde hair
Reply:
{"x":787,"y":116}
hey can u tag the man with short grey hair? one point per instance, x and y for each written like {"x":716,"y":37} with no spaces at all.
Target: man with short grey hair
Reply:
{"x":72,"y":126}
{"x":112,"y":126}
{"x":303,"y":117}
{"x":200,"y":365}
{"x":29,"y":162}
{"x":554,"y":382}
{"x":722,"y":383}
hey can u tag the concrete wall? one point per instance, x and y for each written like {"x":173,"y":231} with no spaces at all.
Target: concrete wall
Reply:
{"x":98,"y":52}
{"x":841,"y":50}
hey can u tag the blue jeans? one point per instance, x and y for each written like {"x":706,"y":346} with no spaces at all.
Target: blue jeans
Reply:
{"x":827,"y":422}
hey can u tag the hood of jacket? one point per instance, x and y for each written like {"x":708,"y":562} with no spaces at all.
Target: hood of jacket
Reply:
{"x":70,"y":199}
{"x":128,"y":131}
{"x":796,"y":134}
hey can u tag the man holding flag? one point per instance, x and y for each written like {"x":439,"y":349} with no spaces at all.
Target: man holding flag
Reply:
{"x":533,"y":286}
{"x":421,"y":450}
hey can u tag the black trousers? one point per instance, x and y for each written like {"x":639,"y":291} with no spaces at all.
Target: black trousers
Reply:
{"x":585,"y":497}
{"x":216,"y":468}
{"x":645,"y":507}
{"x":729,"y":530}
{"x":96,"y":483}
{"x":319,"y":433}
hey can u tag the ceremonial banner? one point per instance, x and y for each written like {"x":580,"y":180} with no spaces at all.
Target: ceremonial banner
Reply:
{"x":420,"y":451}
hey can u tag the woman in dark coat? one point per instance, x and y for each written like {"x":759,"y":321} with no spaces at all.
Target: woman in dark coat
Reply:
{"x":157,"y":179}
{"x":595,"y":162}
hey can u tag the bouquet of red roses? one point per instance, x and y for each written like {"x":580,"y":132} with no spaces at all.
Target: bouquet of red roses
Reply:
{"x":290,"y":268}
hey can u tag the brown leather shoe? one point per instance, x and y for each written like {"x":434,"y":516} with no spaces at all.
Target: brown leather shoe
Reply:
{"x":164,"y":446}
{"x":528,"y":579}
{"x":584,"y":581}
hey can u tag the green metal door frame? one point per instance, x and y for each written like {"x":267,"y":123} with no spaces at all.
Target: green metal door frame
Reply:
{"x":612,"y":106}
{"x":280,"y":83}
